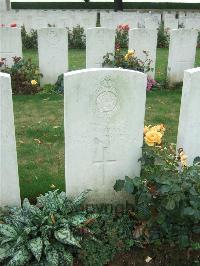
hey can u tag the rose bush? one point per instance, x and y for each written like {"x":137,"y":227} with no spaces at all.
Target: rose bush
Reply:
{"x":166,"y":206}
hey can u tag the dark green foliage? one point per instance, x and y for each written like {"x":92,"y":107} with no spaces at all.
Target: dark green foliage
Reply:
{"x":76,"y":37}
{"x":198,"y":40}
{"x":132,"y":62}
{"x":22,"y":73}
{"x":29,"y":40}
{"x":166,"y":198}
{"x":48,"y":233}
{"x":163,"y":37}
{"x":114,"y":233}
{"x":59,"y":85}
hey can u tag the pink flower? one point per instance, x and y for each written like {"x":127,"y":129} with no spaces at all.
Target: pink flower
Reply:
{"x":150,"y":83}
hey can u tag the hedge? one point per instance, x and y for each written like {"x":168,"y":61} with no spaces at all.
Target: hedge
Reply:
{"x":102,"y":5}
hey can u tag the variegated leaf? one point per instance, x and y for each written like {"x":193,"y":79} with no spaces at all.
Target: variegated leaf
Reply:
{"x":4,"y":252}
{"x":36,"y":246}
{"x":65,"y":236}
{"x":20,"y":258}
{"x":8,"y":231}
{"x":52,"y":257}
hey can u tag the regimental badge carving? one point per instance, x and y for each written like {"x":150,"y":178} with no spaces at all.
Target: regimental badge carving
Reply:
{"x":107,"y":99}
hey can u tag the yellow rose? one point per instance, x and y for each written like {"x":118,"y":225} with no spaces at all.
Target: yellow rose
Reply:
{"x":126,"y":57}
{"x":131,"y":52}
{"x":160,"y":128}
{"x":146,"y":129}
{"x":183,"y":158}
{"x":33,"y":82}
{"x":153,"y":137}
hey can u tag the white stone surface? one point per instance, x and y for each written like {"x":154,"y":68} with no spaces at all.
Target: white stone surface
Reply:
{"x":53,"y":53}
{"x":104,"y":118}
{"x":171,"y":24}
{"x":99,"y":42}
{"x":182,"y":50}
{"x":113,"y":19}
{"x":189,"y":120}
{"x":151,"y":23}
{"x":10,"y":44}
{"x":9,"y":180}
{"x":192,"y":23}
{"x":34,"y":19}
{"x":144,"y":40}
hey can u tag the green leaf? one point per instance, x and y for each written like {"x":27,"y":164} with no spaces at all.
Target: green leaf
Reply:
{"x":36,"y":246}
{"x":20,"y":258}
{"x":184,"y":241}
{"x":77,"y":219}
{"x":165,"y":189}
{"x":65,"y":236}
{"x":8,"y":231}
{"x":4,"y":252}
{"x":52,"y":257}
{"x":119,"y":185}
{"x":196,"y":160}
{"x":128,"y":186}
{"x":67,"y":257}
{"x":170,"y":204}
{"x":81,"y":198}
{"x":188,"y":211}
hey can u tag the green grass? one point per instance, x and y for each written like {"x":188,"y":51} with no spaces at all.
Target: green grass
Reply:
{"x":39,"y":127}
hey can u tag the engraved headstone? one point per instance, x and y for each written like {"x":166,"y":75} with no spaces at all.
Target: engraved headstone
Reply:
{"x":171,"y":24}
{"x":9,"y":180}
{"x":142,"y":40}
{"x":189,"y":120}
{"x":182,"y":50}
{"x":10,"y":44}
{"x":99,"y":42}
{"x":53,"y":53}
{"x":104,"y":119}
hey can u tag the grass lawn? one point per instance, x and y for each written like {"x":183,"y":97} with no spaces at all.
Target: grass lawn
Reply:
{"x":39,"y":127}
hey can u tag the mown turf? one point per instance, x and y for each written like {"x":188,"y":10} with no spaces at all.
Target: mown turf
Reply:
{"x":39,"y":127}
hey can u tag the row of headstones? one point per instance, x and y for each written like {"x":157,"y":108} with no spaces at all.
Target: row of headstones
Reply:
{"x":103,"y":120}
{"x":35,"y":19}
{"x":53,"y":49}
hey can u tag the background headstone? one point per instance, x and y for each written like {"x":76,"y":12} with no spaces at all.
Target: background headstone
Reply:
{"x":144,"y":40}
{"x":99,"y":42}
{"x":171,"y":24}
{"x":9,"y":180}
{"x":53,"y":53}
{"x":104,"y":119}
{"x":189,"y":120}
{"x":10,"y":44}
{"x":151,"y":23}
{"x":182,"y":50}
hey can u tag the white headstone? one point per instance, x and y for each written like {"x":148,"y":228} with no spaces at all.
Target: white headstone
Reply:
{"x":99,"y":42}
{"x":182,"y":50}
{"x":144,"y":40}
{"x":9,"y":180}
{"x":171,"y":24}
{"x":192,"y":23}
{"x":104,"y":119}
{"x":151,"y":23}
{"x":110,"y":19}
{"x":53,"y":53}
{"x":10,"y":44}
{"x":189,"y":120}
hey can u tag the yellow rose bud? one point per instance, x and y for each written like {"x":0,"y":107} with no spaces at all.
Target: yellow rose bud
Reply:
{"x":33,"y":82}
